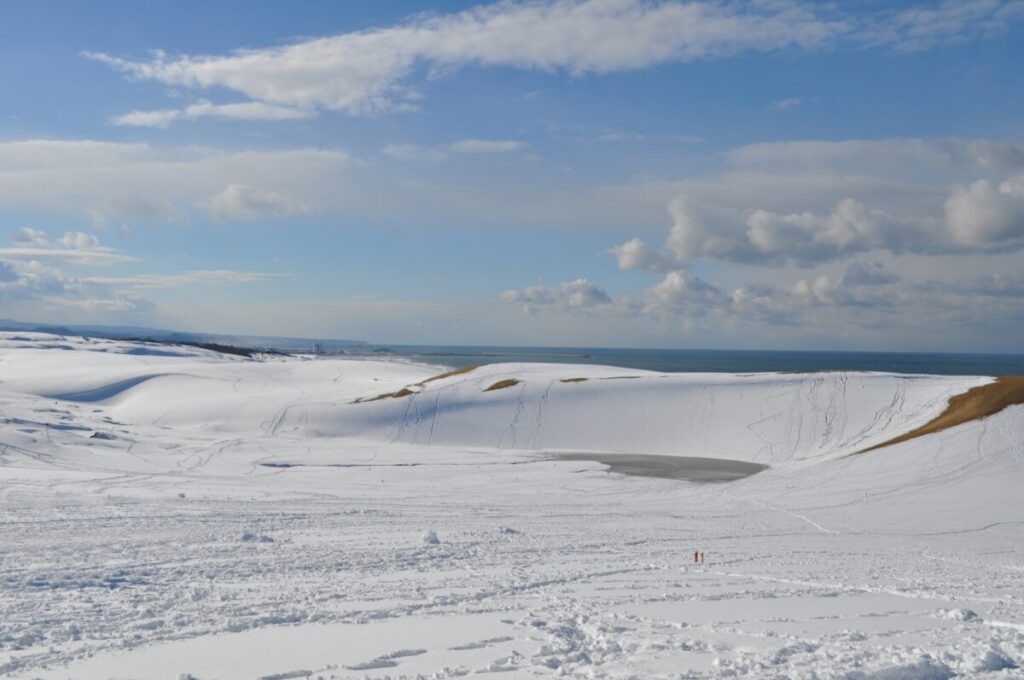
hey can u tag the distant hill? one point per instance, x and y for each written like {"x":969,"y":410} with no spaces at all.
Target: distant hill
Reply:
{"x":283,"y":344}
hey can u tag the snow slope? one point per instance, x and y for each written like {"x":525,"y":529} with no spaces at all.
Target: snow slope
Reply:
{"x":169,"y":510}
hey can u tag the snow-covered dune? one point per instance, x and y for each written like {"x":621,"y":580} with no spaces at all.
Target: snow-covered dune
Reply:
{"x":171,"y":511}
{"x":772,"y":419}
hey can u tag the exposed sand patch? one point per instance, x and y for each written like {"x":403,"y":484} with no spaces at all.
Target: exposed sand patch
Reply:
{"x":502,"y":384}
{"x":974,"y":404}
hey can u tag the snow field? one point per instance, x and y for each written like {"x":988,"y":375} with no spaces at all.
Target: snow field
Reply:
{"x":243,"y":518}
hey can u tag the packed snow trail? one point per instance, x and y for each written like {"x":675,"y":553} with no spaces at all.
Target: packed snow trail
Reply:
{"x":168,"y":511}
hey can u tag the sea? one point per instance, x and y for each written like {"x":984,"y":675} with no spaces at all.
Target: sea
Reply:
{"x":709,"y":361}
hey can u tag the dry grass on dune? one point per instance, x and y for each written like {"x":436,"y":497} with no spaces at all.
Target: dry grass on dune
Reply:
{"x":974,"y":404}
{"x":502,"y":384}
{"x":449,"y":374}
{"x":404,"y":392}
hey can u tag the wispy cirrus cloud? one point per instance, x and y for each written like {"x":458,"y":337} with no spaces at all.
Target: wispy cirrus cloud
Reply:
{"x":438,"y":152}
{"x":242,"y":111}
{"x":377,"y":69}
{"x":373,"y":70}
{"x":787,"y":104}
{"x":114,"y":182}
{"x":190,"y":277}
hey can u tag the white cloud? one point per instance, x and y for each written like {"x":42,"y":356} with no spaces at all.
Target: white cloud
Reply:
{"x":438,"y":153}
{"x":922,"y":27}
{"x":34,"y":286}
{"x":196,"y":276}
{"x":251,"y":110}
{"x":415,"y":152}
{"x":159,"y":118}
{"x":863,"y":273}
{"x":112,"y":183}
{"x":580,"y":294}
{"x":98,"y":304}
{"x":368,"y":71}
{"x":984,"y":214}
{"x":26,"y":236}
{"x":486,"y":145}
{"x":681,"y":293}
{"x":74,"y":246}
{"x":630,"y":136}
{"x":635,"y":254}
{"x":101,"y":256}
{"x":242,"y":203}
{"x":882,"y":156}
{"x":677,"y":294}
{"x":79,"y":240}
{"x":785,"y":104}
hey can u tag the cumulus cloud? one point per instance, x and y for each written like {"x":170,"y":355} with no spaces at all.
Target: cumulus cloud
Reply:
{"x":865,"y":293}
{"x":635,"y":254}
{"x":79,"y":240}
{"x":241,"y":203}
{"x":684,"y":294}
{"x":985,"y":214}
{"x":580,"y":294}
{"x":678,"y":293}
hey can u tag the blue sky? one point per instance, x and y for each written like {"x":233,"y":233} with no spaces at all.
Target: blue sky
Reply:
{"x":616,"y":172}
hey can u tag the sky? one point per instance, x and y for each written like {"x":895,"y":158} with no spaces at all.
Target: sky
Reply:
{"x":634,"y":173}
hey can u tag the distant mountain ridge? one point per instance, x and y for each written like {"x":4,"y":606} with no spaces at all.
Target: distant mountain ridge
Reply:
{"x":284,"y":344}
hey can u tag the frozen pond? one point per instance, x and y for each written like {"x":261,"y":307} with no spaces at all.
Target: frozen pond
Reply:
{"x":688,"y":468}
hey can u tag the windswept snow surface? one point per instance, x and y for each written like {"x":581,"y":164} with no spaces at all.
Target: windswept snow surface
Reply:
{"x":173,"y":512}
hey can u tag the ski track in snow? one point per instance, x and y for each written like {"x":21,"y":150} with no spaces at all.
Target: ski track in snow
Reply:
{"x":238,"y":518}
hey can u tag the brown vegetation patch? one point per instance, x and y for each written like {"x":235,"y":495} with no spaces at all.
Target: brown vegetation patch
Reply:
{"x":573,"y":380}
{"x":449,"y":374}
{"x":974,"y":404}
{"x":404,"y":392}
{"x":502,"y":384}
